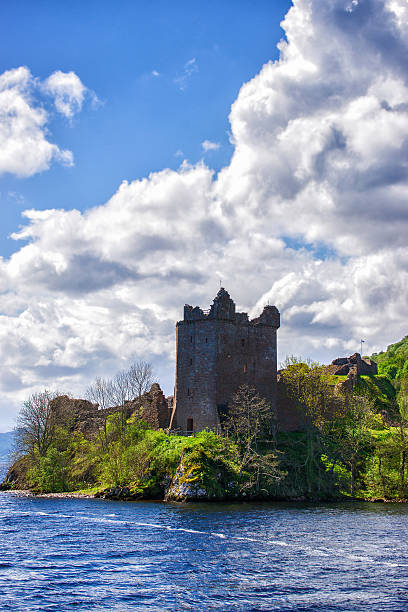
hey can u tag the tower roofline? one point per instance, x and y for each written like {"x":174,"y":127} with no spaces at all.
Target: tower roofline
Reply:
{"x":223,"y":308}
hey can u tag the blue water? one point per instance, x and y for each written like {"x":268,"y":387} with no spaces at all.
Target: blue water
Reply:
{"x":63,"y":554}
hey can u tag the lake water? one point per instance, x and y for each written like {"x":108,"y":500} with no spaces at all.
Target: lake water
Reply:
{"x":66,"y":554}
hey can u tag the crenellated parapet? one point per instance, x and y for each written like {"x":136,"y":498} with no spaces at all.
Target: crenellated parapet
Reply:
{"x":223,"y":309}
{"x":193,"y":313}
{"x":270,"y":316}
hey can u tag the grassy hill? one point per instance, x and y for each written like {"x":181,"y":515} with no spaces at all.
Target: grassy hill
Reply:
{"x":393,"y":362}
{"x":377,"y":388}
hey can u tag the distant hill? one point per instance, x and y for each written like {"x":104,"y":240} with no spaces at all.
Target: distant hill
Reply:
{"x":394,"y":361}
{"x":6,"y":445}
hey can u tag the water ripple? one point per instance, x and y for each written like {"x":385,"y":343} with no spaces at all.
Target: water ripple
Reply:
{"x":96,"y":555}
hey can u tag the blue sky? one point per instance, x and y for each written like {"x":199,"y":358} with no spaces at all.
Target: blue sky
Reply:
{"x":149,"y":149}
{"x":144,"y":122}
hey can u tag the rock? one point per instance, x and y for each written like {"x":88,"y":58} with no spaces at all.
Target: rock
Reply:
{"x":118,"y":493}
{"x":16,"y":477}
{"x":184,"y":489}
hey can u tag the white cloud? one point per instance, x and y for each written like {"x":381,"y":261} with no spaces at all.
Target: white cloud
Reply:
{"x":16,"y":197}
{"x":68,"y":92}
{"x":155,"y":73}
{"x":24,"y":145}
{"x":189,"y":68}
{"x":321,"y":135}
{"x":207,"y":145}
{"x":321,"y":142}
{"x":24,"y":148}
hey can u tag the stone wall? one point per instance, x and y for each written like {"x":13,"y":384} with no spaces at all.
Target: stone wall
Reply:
{"x":81,"y":415}
{"x":152,"y":408}
{"x":355,"y":364}
{"x":288,"y":416}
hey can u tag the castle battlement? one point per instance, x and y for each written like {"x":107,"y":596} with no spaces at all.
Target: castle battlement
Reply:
{"x":223,"y":309}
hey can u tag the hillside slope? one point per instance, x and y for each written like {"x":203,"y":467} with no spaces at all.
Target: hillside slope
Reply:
{"x":394,"y":361}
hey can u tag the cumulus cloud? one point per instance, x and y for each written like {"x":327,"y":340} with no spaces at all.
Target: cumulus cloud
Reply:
{"x":311,"y":214}
{"x":24,"y":148}
{"x":68,"y":92}
{"x":207,"y":145}
{"x":24,"y":145}
{"x":321,"y":135}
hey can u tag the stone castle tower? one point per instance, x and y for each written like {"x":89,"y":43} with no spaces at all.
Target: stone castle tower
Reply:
{"x":218,"y":351}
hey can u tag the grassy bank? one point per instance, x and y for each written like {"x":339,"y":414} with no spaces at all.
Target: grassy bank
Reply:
{"x":352,"y":444}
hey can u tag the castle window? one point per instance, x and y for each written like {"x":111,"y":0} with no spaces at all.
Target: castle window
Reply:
{"x":190,"y":425}
{"x":191,"y":338}
{"x":243,"y":342}
{"x":191,"y":361}
{"x":245,"y":368}
{"x":188,"y":391}
{"x":206,"y":339}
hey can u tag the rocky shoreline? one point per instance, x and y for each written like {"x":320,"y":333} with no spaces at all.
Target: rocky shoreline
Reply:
{"x":123,"y":494}
{"x":68,"y":494}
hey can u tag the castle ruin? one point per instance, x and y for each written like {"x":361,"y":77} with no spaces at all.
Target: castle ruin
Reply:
{"x":218,"y":351}
{"x":355,"y":364}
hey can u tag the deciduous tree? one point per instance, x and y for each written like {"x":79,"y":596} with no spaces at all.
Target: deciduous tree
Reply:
{"x":36,"y":423}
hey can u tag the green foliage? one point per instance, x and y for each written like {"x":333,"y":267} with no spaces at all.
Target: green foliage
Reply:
{"x":50,"y":473}
{"x":380,"y":391}
{"x":393,"y":362}
{"x":211,"y":461}
{"x":353,"y":444}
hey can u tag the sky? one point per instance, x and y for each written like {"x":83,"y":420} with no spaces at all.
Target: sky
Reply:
{"x":150,"y":150}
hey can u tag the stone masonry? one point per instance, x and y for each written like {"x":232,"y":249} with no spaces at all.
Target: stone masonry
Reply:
{"x":218,"y":351}
{"x":355,"y":364}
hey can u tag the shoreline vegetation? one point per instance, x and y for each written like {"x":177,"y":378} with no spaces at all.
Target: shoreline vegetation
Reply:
{"x":352,"y":445}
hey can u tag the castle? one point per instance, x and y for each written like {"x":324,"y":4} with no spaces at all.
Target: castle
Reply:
{"x":217,"y":351}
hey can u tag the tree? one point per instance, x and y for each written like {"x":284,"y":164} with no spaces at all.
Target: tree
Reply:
{"x":141,"y":378}
{"x":250,"y":418}
{"x":307,"y":387}
{"x":36,"y":423}
{"x":99,"y":392}
{"x":403,"y":430}
{"x":251,"y":423}
{"x":119,"y":393}
{"x":355,"y":426}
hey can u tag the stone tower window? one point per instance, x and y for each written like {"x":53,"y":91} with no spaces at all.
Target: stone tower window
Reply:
{"x":243,"y":342}
{"x":188,"y":391}
{"x":191,"y":361}
{"x":190,"y":425}
{"x":191,"y":338}
{"x":206,"y":339}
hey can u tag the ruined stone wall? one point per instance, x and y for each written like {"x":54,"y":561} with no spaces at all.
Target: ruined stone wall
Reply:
{"x":81,"y":415}
{"x":152,"y":408}
{"x":288,"y":416}
{"x":355,"y":363}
